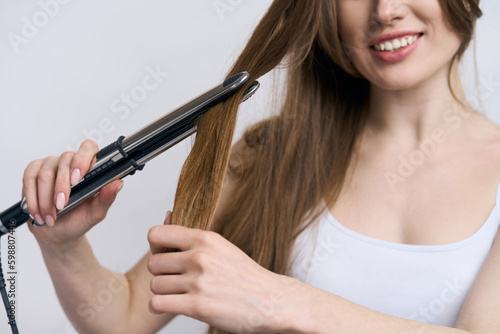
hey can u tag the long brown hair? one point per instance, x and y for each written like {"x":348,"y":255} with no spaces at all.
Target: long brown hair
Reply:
{"x":296,"y":159}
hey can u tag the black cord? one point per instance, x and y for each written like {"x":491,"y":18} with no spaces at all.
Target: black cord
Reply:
{"x":6,"y":302}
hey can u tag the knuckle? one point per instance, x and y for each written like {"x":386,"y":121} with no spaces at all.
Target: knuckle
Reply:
{"x":208,"y":237}
{"x":154,"y":285}
{"x":198,"y":284}
{"x":52,"y":159}
{"x":28,"y":182}
{"x":153,"y":234}
{"x":197,"y":308}
{"x":204,"y":237}
{"x":33,"y":164}
{"x":199,"y":259}
{"x":46,"y":174}
{"x":151,"y":265}
{"x":89,"y":144}
{"x":68,"y":155}
{"x":98,"y":215}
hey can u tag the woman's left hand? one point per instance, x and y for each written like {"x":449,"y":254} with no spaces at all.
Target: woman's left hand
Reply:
{"x":212,"y":280}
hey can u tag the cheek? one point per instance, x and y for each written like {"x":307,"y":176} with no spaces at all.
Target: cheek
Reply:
{"x":352,"y":19}
{"x":446,"y":40}
{"x":442,"y":38}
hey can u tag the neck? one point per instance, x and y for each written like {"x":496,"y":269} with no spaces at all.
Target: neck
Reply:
{"x":409,"y":117}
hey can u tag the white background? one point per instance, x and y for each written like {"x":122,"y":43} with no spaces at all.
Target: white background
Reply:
{"x":61,"y":83}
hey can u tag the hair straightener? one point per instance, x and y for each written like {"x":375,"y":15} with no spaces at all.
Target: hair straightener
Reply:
{"x":129,"y":154}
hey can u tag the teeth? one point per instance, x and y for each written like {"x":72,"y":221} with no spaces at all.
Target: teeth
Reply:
{"x":395,"y":44}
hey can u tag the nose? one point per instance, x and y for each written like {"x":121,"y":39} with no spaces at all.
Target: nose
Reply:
{"x":388,"y":11}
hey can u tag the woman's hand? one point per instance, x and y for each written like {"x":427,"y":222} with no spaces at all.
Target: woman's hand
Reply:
{"x":47,"y":186}
{"x":212,"y":280}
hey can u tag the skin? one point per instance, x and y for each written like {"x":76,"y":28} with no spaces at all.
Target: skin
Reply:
{"x":212,"y":280}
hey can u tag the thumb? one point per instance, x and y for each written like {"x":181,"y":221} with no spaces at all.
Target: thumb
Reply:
{"x":168,"y":219}
{"x":101,"y":203}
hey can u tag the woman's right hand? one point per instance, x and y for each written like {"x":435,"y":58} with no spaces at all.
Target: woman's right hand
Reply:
{"x":47,"y":186}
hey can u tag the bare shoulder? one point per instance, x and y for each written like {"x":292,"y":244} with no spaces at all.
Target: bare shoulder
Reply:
{"x":482,"y":156}
{"x":488,"y":135}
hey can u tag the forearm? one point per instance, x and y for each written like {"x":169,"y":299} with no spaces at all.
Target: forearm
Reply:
{"x":95,"y":299}
{"x":315,"y":311}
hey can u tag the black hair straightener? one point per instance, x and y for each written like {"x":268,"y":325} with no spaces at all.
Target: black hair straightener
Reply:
{"x":129,"y":154}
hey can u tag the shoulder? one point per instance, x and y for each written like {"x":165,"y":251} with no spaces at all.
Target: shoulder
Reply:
{"x":485,"y":135}
{"x":484,"y":152}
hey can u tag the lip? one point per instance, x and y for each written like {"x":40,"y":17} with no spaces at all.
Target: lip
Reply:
{"x":398,"y":55}
{"x":393,"y":35}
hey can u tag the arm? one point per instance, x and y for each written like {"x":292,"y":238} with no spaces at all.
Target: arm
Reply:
{"x":479,"y":313}
{"x":95,"y":299}
{"x":212,"y":280}
{"x":317,"y":311}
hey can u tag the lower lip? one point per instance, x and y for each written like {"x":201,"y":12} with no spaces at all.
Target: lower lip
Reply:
{"x":398,"y":55}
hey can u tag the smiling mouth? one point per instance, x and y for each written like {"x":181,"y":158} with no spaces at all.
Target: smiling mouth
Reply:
{"x":397,"y":43}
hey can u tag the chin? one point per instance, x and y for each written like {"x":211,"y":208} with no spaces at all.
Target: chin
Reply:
{"x":395,"y":85}
{"x":396,"y":81}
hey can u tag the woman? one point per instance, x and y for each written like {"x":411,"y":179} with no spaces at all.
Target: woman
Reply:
{"x":374,"y":131}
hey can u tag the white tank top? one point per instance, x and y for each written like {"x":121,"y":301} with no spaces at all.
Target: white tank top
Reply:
{"x":427,"y":283}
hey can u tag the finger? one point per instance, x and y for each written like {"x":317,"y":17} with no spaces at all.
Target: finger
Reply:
{"x":99,"y":206}
{"x":167,"y":263}
{"x":63,"y":183}
{"x":45,"y":184}
{"x":168,"y":221}
{"x":168,"y":218}
{"x":168,"y":284}
{"x":83,"y":160}
{"x":30,"y":189}
{"x":174,"y":303}
{"x":163,"y":237}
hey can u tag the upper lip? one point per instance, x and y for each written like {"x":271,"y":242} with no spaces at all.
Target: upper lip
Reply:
{"x":393,"y":35}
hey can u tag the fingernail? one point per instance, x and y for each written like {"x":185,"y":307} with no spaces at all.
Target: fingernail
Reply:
{"x":60,"y":200}
{"x":75,"y":177}
{"x":49,"y":220}
{"x":119,"y":188}
{"x":35,"y":223}
{"x":39,"y":219}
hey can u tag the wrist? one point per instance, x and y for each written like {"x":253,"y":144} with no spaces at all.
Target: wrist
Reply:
{"x":65,"y":253}
{"x":53,"y":245}
{"x":293,"y":315}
